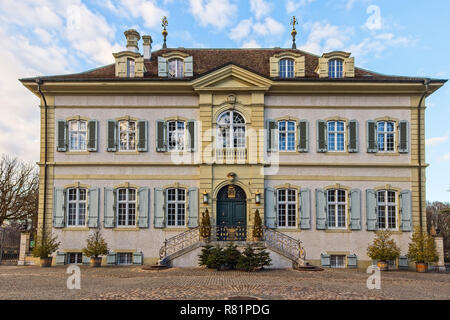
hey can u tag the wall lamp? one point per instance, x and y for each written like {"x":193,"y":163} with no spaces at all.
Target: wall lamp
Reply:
{"x":257,"y":197}
{"x":205,"y":198}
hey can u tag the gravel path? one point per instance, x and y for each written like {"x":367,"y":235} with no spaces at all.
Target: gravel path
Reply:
{"x":32,"y":282}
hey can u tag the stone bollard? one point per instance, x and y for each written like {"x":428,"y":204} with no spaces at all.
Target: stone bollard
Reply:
{"x":440,"y":266}
{"x":24,"y":248}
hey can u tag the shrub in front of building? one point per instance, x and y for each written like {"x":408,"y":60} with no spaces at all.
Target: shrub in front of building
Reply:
{"x":383,"y":249}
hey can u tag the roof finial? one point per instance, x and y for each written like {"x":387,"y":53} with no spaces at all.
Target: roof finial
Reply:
{"x":294,"y":32}
{"x":164,"y":32}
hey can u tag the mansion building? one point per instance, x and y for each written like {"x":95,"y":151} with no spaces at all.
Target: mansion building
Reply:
{"x":325,"y":152}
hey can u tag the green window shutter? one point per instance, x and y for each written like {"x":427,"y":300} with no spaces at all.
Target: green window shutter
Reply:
{"x":272,"y":127}
{"x":403,"y":262}
{"x":353,"y":133}
{"x":93,"y":207}
{"x":112,"y":136}
{"x":321,"y":209}
{"x":144,"y":205}
{"x":85,"y":259}
{"x":191,"y":136}
{"x":325,"y":260}
{"x":111,"y":258}
{"x":138,"y":258}
{"x":60,"y":258}
{"x":142,"y":133}
{"x":371,"y":133}
{"x":355,"y":209}
{"x":109,"y":215}
{"x":159,"y":211}
{"x":162,"y":67}
{"x":405,"y":210}
{"x":305,"y":209}
{"x":59,"y":207}
{"x":62,"y":136}
{"x":92,"y":144}
{"x":193,"y":208}
{"x":188,"y":66}
{"x":352,"y":261}
{"x":371,"y":209}
{"x":270,"y":208}
{"x":403,"y":131}
{"x":161,"y":140}
{"x":321,"y":136}
{"x":303,"y":136}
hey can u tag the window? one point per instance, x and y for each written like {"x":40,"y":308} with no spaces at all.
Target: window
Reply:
{"x":336,"y":136}
{"x":130,"y":68}
{"x":176,"y":207}
{"x":76,"y":209}
{"x":127,"y":135}
{"x":337,"y":261}
{"x":337,"y":208}
{"x":387,"y":209}
{"x":176,"y":134}
{"x":287,"y":207}
{"x":176,"y":68}
{"x":126,"y":207}
{"x":335,"y":68}
{"x":77,"y":135}
{"x":124,"y":258}
{"x":231,"y":130}
{"x":286,"y":135}
{"x":286,"y":67}
{"x":385,"y":135}
{"x":74,"y":257}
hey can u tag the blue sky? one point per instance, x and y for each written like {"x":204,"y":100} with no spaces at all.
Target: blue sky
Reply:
{"x":43,"y":37}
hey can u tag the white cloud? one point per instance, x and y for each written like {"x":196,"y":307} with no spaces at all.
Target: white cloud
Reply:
{"x":217,"y":13}
{"x":324,"y":37}
{"x":260,"y":8}
{"x":150,"y":13}
{"x":252,"y":43}
{"x":294,"y":5}
{"x":446,"y":157}
{"x":242,"y":30}
{"x":268,"y":27}
{"x":350,"y":3}
{"x":436,"y":140}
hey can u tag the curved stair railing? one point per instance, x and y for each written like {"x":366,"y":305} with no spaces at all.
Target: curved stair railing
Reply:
{"x":179,"y":244}
{"x":285,"y":245}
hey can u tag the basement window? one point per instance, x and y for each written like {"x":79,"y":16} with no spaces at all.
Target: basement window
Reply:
{"x":124,"y":258}
{"x":74,"y":258}
{"x":337,"y":261}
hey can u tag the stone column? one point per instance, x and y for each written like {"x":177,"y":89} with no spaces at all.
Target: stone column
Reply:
{"x":440,"y":250}
{"x":24,"y":247}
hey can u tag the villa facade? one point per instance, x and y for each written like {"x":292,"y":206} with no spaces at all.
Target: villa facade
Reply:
{"x":326,"y":153}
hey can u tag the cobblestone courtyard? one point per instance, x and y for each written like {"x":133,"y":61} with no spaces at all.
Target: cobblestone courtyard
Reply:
{"x":33,"y":282}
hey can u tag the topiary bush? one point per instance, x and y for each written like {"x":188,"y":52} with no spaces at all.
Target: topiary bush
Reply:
{"x":383,"y":248}
{"x":422,"y":248}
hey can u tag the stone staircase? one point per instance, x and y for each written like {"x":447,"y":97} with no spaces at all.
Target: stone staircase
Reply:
{"x":273,"y":240}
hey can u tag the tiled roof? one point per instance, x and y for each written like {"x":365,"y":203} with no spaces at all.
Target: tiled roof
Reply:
{"x":207,"y":60}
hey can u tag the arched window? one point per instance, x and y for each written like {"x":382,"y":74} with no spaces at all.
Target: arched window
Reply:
{"x":126,"y":207}
{"x":76,"y":208}
{"x":386,"y":135}
{"x":287,"y":207}
{"x":231,"y":130}
{"x":176,"y":207}
{"x":176,"y":68}
{"x":335,"y":68}
{"x":77,"y":135}
{"x":337,"y":208}
{"x":387,"y":209}
{"x":286,"y":67}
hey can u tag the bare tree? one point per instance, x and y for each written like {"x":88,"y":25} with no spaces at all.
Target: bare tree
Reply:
{"x":19,"y":191}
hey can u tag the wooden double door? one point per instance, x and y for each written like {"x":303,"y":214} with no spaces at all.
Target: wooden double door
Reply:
{"x":231,"y":217}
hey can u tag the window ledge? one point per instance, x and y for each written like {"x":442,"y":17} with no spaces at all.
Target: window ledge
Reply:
{"x":77,"y":152}
{"x":386,"y":153}
{"x":337,"y":153}
{"x":126,"y":152}
{"x":75,"y":229}
{"x":175,"y":229}
{"x":126,"y":229}
{"x":293,"y":229}
{"x":338,"y":231}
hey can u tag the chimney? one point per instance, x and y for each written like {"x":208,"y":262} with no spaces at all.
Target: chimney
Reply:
{"x":147,"y":47}
{"x":132,"y":40}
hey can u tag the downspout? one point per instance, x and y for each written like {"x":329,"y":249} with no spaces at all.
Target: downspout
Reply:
{"x":419,"y":125}
{"x":39,"y":83}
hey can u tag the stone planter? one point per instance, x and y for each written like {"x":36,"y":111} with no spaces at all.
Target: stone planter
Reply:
{"x":383,"y":265}
{"x":96,"y":262}
{"x":46,"y":262}
{"x":421,"y":267}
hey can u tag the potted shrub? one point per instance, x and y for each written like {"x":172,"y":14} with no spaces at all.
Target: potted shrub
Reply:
{"x":422,"y":250}
{"x":45,"y":245}
{"x":257,"y":228}
{"x":383,"y":249}
{"x":96,"y":246}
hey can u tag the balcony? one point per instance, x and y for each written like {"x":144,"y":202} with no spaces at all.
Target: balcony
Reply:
{"x":231,"y":155}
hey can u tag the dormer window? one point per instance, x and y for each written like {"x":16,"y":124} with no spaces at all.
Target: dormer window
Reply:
{"x":286,"y":68}
{"x":130,"y":68}
{"x":176,"y":68}
{"x":335,"y":68}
